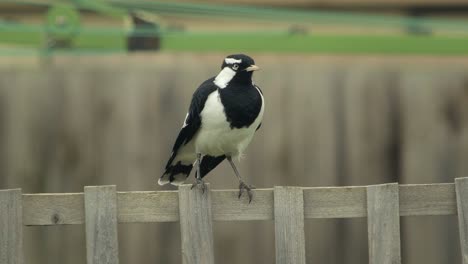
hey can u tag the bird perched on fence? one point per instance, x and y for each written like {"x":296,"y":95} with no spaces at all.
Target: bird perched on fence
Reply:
{"x":223,"y":116}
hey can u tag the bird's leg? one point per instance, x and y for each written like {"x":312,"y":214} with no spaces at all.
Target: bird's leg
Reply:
{"x":242,"y":185}
{"x":198,"y":177}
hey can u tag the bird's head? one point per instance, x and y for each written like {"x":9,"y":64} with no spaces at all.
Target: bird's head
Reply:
{"x":240,"y":63}
{"x":236,"y":68}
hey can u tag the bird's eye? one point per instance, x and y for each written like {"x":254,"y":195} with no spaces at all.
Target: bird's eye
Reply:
{"x":235,"y":67}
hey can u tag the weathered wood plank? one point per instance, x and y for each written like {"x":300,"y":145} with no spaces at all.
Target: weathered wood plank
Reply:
{"x":196,"y":225}
{"x":335,"y":202}
{"x":162,"y":206}
{"x":383,"y":224}
{"x":227,"y":206}
{"x":11,"y":227}
{"x":461,"y":185}
{"x":53,"y":209}
{"x":141,"y":207}
{"x":101,"y":225}
{"x":289,"y":225}
{"x":427,"y":199}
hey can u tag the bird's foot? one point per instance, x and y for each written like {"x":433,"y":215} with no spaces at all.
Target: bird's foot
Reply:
{"x":244,"y":187}
{"x":200,"y":183}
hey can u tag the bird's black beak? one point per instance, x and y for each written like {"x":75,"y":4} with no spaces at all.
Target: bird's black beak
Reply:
{"x":252,"y":68}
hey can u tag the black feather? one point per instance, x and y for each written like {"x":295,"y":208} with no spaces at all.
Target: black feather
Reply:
{"x":209,"y":163}
{"x":178,"y":168}
{"x":241,"y":104}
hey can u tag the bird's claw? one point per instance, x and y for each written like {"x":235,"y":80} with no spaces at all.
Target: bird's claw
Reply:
{"x":244,"y":187}
{"x":201,"y":184}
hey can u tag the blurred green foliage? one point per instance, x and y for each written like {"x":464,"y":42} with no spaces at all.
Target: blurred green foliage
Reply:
{"x":114,"y":39}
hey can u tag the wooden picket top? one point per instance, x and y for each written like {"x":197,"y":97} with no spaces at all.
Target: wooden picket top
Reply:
{"x":383,"y":221}
{"x":461,"y":186}
{"x":196,"y":225}
{"x":289,"y":225}
{"x":11,"y":227}
{"x":101,"y":225}
{"x":101,"y":208}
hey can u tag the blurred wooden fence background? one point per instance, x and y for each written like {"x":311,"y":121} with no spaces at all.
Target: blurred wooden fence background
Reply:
{"x":101,"y":208}
{"x":75,"y":121}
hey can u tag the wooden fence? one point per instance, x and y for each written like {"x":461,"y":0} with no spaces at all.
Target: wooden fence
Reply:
{"x":101,"y":208}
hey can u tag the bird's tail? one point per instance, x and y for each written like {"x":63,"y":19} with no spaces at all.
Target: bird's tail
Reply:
{"x":178,"y":169}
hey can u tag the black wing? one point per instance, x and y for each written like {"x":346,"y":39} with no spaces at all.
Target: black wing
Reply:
{"x":193,"y":119}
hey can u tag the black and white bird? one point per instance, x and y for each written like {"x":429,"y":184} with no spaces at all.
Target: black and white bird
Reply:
{"x":223,"y":116}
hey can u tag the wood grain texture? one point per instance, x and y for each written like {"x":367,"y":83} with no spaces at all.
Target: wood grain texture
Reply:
{"x":162,"y":206}
{"x":227,"y":206}
{"x":11,"y":227}
{"x":383,"y":222}
{"x":53,"y":209}
{"x":427,"y":199}
{"x":101,"y":225}
{"x":140,"y":207}
{"x":289,"y":225}
{"x":196,"y":225}
{"x":461,"y":185}
{"x":335,"y":202}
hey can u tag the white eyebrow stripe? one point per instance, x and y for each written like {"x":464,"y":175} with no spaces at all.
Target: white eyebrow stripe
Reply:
{"x":232,"y":60}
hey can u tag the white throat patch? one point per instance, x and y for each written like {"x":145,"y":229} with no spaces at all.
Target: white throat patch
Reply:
{"x":224,"y":77}
{"x":232,"y":61}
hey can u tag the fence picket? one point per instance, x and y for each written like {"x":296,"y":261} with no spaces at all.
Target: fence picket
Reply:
{"x":461,"y":189}
{"x":196,"y":225}
{"x":101,"y":224}
{"x":289,"y":225}
{"x":383,"y":224}
{"x":11,"y":227}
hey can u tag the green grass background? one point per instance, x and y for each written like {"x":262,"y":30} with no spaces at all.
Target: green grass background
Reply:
{"x":100,"y":40}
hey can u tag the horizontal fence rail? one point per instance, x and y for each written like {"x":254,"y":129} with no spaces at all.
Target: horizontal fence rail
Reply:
{"x":101,"y":208}
{"x":163,"y":206}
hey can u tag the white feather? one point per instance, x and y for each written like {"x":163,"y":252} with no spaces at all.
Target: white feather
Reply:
{"x":232,"y":60}
{"x":224,"y":77}
{"x":216,"y":137}
{"x":185,"y":121}
{"x":163,"y":180}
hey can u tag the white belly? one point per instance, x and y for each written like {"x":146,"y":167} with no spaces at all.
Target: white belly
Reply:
{"x":215,"y":137}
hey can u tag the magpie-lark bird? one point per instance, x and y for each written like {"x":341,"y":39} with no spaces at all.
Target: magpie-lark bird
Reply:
{"x":223,"y":116}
